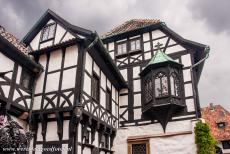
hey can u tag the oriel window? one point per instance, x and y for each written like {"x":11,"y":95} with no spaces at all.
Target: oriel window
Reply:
{"x":148,"y":90}
{"x":48,"y":32}
{"x":95,"y":87}
{"x":121,"y":48}
{"x":161,"y":85}
{"x":135,"y":45}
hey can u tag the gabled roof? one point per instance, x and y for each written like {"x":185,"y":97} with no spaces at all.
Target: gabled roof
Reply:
{"x":13,"y":40}
{"x":51,"y":15}
{"x":14,"y":49}
{"x":131,"y":25}
{"x":214,"y":114}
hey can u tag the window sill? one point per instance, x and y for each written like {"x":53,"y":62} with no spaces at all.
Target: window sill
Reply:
{"x":131,"y":53}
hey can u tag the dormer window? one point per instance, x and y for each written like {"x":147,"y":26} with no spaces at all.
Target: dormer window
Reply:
{"x":135,"y":45}
{"x":121,"y":48}
{"x":221,"y":124}
{"x":48,"y":32}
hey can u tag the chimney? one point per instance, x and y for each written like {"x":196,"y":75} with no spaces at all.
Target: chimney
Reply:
{"x":212,"y":106}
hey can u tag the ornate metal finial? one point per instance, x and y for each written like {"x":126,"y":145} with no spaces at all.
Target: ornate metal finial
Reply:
{"x":158,"y":46}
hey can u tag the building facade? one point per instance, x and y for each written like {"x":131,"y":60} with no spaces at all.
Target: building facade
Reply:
{"x":132,"y":91}
{"x":218,"y":120}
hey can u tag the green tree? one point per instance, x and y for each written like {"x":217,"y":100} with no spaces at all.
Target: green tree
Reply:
{"x":204,"y":140}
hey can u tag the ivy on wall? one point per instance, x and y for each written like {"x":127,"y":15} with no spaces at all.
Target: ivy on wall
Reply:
{"x":205,"y":142}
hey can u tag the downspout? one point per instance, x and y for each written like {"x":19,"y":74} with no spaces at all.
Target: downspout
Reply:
{"x":206,"y":50}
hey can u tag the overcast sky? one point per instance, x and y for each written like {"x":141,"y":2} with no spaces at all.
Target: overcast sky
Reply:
{"x":204,"y":21}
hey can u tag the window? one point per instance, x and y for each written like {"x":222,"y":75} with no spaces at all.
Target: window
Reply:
{"x":26,"y":79}
{"x":161,"y":85}
{"x":121,"y":49}
{"x":102,"y":142}
{"x":108,"y":100}
{"x":135,"y":45}
{"x":48,"y":32}
{"x":95,"y":87}
{"x":226,"y":144}
{"x":148,"y":90}
{"x":175,"y":88}
{"x":221,"y":125}
{"x":86,"y":136}
{"x":136,"y":147}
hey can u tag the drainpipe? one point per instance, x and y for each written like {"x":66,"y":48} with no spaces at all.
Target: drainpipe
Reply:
{"x":206,"y":50}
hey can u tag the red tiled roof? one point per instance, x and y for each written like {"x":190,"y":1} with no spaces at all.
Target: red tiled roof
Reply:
{"x":131,"y":25}
{"x":216,"y":114}
{"x":13,"y":40}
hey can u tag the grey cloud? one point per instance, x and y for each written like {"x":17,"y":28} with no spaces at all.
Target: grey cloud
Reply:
{"x":215,"y":13}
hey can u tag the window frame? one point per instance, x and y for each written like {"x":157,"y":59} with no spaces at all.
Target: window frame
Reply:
{"x":42,"y":33}
{"x":95,"y":76}
{"x":221,"y":127}
{"x":133,"y":142}
{"x":121,"y":43}
{"x":31,"y":79}
{"x":226,"y":144}
{"x":135,"y":40}
{"x":108,"y":100}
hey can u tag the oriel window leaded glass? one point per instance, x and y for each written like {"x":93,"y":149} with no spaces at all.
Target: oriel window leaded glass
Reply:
{"x":139,"y":148}
{"x":121,"y":49}
{"x":148,"y":90}
{"x":174,"y":81}
{"x":135,"y":45}
{"x":161,"y":85}
{"x":48,"y":32}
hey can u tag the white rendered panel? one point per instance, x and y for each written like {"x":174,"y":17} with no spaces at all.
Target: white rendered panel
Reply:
{"x":69,"y":78}
{"x":88,"y":63}
{"x":190,"y":104}
{"x":43,"y":61}
{"x":147,"y":55}
{"x":67,"y":37}
{"x":108,"y":84}
{"x":46,"y":44}
{"x":34,"y":43}
{"x":112,"y":55}
{"x":174,"y":49}
{"x":103,"y":98}
{"x":6,"y":62}
{"x":37,"y":103}
{"x":111,"y":46}
{"x":123,"y":100}
{"x":146,"y":37}
{"x":147,"y":46}
{"x":137,"y":113}
{"x":87,"y":84}
{"x":113,"y":108}
{"x":51,"y":133}
{"x":71,"y":56}
{"x":136,"y":85}
{"x":187,"y":75}
{"x":188,"y":89}
{"x":39,"y":133}
{"x":136,"y":71}
{"x":60,"y":31}
{"x":19,"y":75}
{"x":55,"y":60}
{"x":157,"y":34}
{"x":52,"y":82}
{"x":39,"y":84}
{"x":96,"y":69}
{"x":124,"y":74}
{"x":38,"y":149}
{"x":66,"y":130}
{"x":103,"y":80}
{"x":186,"y":60}
{"x":137,"y":100}
{"x":113,"y":92}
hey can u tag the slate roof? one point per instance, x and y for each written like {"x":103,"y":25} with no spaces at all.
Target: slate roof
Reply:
{"x":214,"y":114}
{"x":131,"y":25}
{"x":13,"y":40}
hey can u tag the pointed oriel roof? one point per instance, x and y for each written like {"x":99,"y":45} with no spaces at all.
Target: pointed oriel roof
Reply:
{"x":160,"y":56}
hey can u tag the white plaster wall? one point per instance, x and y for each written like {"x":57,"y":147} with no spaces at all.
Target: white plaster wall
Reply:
{"x":34,"y":43}
{"x":39,"y":135}
{"x":103,"y":80}
{"x":124,"y":74}
{"x":157,"y":34}
{"x":188,"y":89}
{"x":87,"y":84}
{"x":55,"y":60}
{"x":19,"y":74}
{"x":69,"y":77}
{"x":147,"y":46}
{"x":67,"y":37}
{"x":66,"y":130}
{"x":136,"y":85}
{"x":51,"y":83}
{"x":147,"y":55}
{"x":186,"y":60}
{"x":46,"y":44}
{"x":96,"y":69}
{"x":146,"y":37}
{"x":123,"y":100}
{"x":111,"y":46}
{"x":60,"y":31}
{"x":136,"y":71}
{"x":71,"y":56}
{"x":37,"y":102}
{"x":6,"y":62}
{"x":102,"y":98}
{"x":51,"y":133}
{"x":187,"y":75}
{"x":137,"y":100}
{"x":179,"y":144}
{"x":174,"y":49}
{"x":190,"y":104}
{"x":88,"y":63}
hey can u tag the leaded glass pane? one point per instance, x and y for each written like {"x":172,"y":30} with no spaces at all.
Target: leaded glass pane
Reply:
{"x":157,"y":87}
{"x":164,"y":86}
{"x":139,"y":149}
{"x":172,"y":85}
{"x":121,"y":48}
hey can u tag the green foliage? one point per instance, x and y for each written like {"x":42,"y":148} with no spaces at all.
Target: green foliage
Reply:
{"x":204,"y":140}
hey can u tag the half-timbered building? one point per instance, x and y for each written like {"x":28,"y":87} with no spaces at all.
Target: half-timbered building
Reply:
{"x":133,"y":91}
